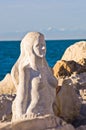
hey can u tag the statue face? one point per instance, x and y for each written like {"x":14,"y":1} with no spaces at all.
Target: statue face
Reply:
{"x":40,"y":48}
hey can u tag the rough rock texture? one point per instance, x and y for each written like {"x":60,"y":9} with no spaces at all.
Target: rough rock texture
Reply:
{"x":72,"y":67}
{"x":82,"y":62}
{"x":7,"y":86}
{"x":78,"y":79}
{"x":39,"y":123}
{"x":75,"y":52}
{"x":36,"y":85}
{"x":66,"y":68}
{"x":82,"y":127}
{"x":79,"y":84}
{"x":6,"y":107}
{"x":67,"y":104}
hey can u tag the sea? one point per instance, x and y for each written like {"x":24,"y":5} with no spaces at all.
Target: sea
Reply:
{"x":10,"y":51}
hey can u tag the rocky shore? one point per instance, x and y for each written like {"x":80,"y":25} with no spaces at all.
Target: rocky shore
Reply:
{"x":70,"y":103}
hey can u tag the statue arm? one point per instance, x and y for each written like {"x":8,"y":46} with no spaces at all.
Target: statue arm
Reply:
{"x":15,"y":75}
{"x":51,"y":79}
{"x":22,"y":91}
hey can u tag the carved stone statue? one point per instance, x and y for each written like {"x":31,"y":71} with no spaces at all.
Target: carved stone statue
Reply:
{"x":33,"y":79}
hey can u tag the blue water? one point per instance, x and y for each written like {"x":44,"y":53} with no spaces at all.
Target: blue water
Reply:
{"x":10,"y":50}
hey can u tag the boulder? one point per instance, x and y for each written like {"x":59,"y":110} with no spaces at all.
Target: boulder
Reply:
{"x":7,"y":86}
{"x":38,"y":123}
{"x":64,"y":68}
{"x":78,"y":80}
{"x":82,"y":62}
{"x":79,"y":83}
{"x":67,"y":104}
{"x":6,"y":107}
{"x":75,"y":52}
{"x":82,"y":127}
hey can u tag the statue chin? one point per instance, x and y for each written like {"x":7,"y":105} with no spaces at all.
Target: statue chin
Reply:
{"x":38,"y":54}
{"x":41,"y":56}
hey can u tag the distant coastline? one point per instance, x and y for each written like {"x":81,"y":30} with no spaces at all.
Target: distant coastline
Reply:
{"x":19,"y":40}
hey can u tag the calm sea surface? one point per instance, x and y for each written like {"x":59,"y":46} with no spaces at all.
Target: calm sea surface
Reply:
{"x":10,"y":50}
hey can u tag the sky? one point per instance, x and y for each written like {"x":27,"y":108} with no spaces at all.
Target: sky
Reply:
{"x":56,"y":19}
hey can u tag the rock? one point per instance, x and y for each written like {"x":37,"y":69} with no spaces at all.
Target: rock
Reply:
{"x":81,"y":120}
{"x":38,"y":123}
{"x":83,"y":110}
{"x":7,"y":86}
{"x":64,"y":68}
{"x":61,"y":69}
{"x":82,"y":62}
{"x":36,"y":85}
{"x":82,"y":127}
{"x":79,"y":83}
{"x":77,"y":75}
{"x":74,"y":71}
{"x":75,"y":52}
{"x":67,"y":104}
{"x":6,"y":107}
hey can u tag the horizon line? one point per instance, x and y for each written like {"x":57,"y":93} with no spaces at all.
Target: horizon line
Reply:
{"x":45,"y":39}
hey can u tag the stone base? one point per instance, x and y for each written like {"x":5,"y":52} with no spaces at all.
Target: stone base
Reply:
{"x":40,"y":123}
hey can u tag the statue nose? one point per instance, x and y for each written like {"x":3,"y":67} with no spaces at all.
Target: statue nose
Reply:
{"x":43,"y":48}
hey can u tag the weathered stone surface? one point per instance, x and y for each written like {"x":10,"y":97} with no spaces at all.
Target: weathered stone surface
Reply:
{"x":83,"y":127}
{"x":75,"y":52}
{"x":67,"y":104}
{"x":66,"y":68}
{"x":35,"y":82}
{"x":79,"y":83}
{"x":82,"y":62}
{"x":6,"y":107}
{"x":39,"y":123}
{"x":81,"y":120}
{"x":7,"y":86}
{"x":78,"y":79}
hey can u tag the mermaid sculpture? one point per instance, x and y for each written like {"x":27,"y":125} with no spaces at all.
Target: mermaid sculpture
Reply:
{"x":33,"y":79}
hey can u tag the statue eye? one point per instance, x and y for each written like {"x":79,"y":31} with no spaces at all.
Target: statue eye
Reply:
{"x":37,"y":45}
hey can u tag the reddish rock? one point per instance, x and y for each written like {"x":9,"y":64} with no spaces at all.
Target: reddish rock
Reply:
{"x":65,"y":68}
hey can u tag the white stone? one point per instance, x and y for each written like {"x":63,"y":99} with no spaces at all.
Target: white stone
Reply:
{"x":75,"y":52}
{"x":33,"y":79}
{"x":7,"y":86}
{"x":39,"y":123}
{"x":67,"y":104}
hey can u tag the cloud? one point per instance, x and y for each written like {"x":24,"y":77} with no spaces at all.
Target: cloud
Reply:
{"x":50,"y":28}
{"x":62,"y":29}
